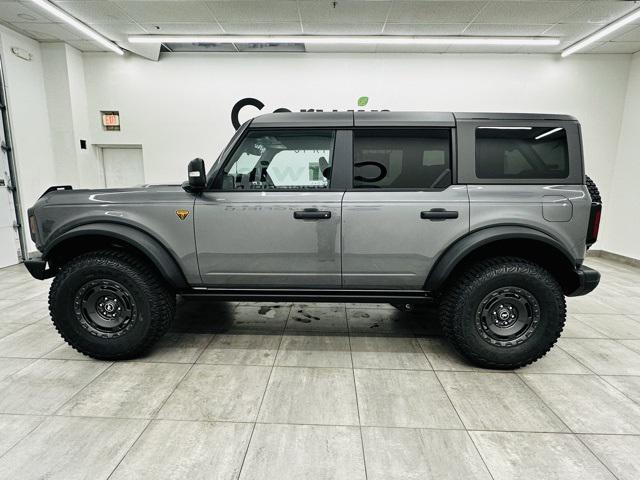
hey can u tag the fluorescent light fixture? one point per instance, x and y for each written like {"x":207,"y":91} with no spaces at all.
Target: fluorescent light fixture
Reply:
{"x":78,"y":25}
{"x":603,"y":32}
{"x":505,"y":128}
{"x":348,"y":40}
{"x":545,"y":134}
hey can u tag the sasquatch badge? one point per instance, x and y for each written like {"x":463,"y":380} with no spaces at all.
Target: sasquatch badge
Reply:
{"x":182,"y":214}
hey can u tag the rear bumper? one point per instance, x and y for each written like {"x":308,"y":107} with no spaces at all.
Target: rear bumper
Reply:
{"x":37,"y":267}
{"x":588,"y":279}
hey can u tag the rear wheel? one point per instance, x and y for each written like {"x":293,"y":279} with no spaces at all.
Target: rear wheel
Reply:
{"x":110,"y":305}
{"x":503,"y":312}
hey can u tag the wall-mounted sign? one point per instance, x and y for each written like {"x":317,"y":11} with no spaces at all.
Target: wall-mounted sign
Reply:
{"x":254,"y":102}
{"x":110,"y":120}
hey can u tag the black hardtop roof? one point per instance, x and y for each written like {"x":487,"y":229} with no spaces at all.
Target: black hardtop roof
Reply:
{"x":389,"y":119}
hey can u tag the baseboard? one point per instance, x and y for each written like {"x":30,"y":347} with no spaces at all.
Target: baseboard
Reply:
{"x":634,"y":262}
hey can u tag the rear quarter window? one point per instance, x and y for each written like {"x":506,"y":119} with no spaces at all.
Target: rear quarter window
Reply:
{"x":524,"y":152}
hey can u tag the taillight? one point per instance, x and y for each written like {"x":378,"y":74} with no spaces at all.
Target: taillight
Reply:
{"x":33,"y":227}
{"x":594,"y":223}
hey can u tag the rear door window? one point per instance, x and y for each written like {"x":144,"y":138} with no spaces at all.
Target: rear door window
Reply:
{"x":416,"y":159}
{"x":521,"y":152}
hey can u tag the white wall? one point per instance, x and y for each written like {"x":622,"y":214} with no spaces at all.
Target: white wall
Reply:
{"x":179,"y":108}
{"x":621,"y":227}
{"x":29,"y":120}
{"x":67,"y":106}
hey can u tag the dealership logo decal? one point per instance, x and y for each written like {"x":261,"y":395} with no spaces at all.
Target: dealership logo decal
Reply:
{"x":182,"y":214}
{"x":254,"y":102}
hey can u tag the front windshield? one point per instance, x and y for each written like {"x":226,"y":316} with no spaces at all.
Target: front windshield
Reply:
{"x":216,"y":164}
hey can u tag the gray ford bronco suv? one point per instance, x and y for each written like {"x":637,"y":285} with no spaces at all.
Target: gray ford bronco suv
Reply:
{"x":486,"y":215}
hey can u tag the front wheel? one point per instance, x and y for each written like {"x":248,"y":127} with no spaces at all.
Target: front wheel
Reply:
{"x":110,"y":305}
{"x":503,"y":312}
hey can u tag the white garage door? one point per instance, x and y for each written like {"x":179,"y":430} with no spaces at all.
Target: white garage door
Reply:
{"x":122,"y":167}
{"x":9,"y":242}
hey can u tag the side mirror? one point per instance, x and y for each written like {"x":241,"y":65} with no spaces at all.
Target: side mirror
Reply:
{"x":197,"y":176}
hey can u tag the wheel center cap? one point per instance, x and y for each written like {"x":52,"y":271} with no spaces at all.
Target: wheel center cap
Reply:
{"x":109,"y":306}
{"x":504,"y":314}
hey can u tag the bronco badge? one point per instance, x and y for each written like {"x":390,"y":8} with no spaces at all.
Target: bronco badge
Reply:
{"x":182,"y":214}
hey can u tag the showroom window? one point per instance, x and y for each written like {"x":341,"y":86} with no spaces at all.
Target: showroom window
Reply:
{"x":521,"y":152}
{"x":281,"y":160}
{"x":404,"y":159}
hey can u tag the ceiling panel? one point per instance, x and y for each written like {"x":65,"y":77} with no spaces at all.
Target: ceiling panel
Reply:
{"x":166,"y":11}
{"x":434,"y":11}
{"x":241,"y":11}
{"x":48,"y":31}
{"x":95,"y":11}
{"x":632,"y":35}
{"x":87,"y":45}
{"x":343,"y":28}
{"x":184,"y":28}
{"x":322,"y":11}
{"x":15,"y":12}
{"x":618,"y":47}
{"x":274,"y":28}
{"x":571,"y":32}
{"x":424,"y":28}
{"x":119,"y":31}
{"x":526,"y":12}
{"x":506,"y":29}
{"x":600,"y":12}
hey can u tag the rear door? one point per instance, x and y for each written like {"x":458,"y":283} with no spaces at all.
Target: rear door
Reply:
{"x":401,"y":210}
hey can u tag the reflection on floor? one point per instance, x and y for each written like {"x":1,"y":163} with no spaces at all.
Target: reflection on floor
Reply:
{"x":320,"y":391}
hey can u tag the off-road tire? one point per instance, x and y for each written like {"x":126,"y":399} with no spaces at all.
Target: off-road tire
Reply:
{"x":153,"y":299}
{"x":593,"y":190}
{"x":462,"y":300}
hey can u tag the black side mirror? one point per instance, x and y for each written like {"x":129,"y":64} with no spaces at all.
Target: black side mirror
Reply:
{"x":197,"y":176}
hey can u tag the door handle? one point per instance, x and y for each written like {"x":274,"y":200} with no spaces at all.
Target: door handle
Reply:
{"x":436,"y":214}
{"x":311,"y":214}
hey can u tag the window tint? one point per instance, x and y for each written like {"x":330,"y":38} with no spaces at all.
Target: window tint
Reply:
{"x":281,"y":159}
{"x":415,"y":159}
{"x":521,"y":152}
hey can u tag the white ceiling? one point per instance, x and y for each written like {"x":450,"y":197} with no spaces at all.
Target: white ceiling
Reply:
{"x":569,"y":20}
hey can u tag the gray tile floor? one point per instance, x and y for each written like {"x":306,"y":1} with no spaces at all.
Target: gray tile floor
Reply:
{"x":313,"y":391}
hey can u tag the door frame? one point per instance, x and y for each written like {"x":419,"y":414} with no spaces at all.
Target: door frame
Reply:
{"x":100,"y":155}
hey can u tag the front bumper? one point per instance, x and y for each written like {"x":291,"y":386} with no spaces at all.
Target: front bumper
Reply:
{"x":588,"y":280}
{"x":37,"y":267}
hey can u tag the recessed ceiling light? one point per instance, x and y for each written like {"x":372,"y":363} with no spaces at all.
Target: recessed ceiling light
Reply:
{"x":346,"y":40}
{"x":603,"y":32}
{"x":78,"y":25}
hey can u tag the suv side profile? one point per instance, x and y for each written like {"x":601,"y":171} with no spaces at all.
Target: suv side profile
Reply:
{"x":487,"y":215}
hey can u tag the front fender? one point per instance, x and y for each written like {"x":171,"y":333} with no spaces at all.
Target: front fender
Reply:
{"x":151,"y":248}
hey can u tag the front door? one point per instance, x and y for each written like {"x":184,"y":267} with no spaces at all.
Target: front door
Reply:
{"x":272,"y":220}
{"x":402,"y":210}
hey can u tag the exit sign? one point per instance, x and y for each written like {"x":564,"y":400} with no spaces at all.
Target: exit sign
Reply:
{"x":111,"y":120}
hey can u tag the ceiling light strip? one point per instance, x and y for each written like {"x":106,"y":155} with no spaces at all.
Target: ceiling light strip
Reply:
{"x":603,"y":32}
{"x":78,"y":25}
{"x":346,"y":40}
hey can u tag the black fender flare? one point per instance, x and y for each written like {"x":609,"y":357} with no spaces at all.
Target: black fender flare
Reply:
{"x":449,"y":260}
{"x":151,"y":248}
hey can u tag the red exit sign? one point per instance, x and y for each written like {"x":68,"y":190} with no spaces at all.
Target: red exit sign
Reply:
{"x":111,"y":120}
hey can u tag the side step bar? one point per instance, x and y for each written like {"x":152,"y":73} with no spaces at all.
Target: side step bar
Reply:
{"x":312,"y":295}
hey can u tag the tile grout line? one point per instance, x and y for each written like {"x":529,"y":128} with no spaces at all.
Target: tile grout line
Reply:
{"x":466,"y":430}
{"x":355,"y":388}
{"x":155,"y":415}
{"x":264,"y":394}
{"x":574,"y":433}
